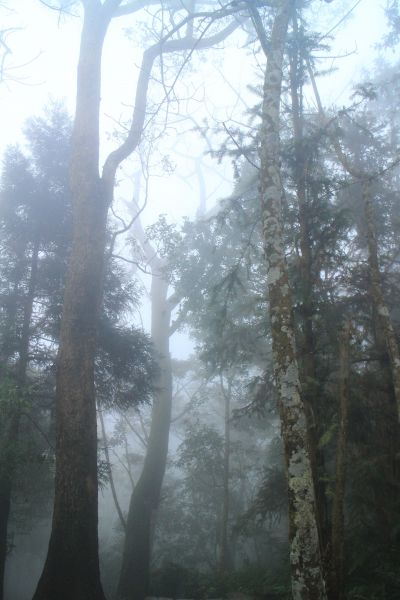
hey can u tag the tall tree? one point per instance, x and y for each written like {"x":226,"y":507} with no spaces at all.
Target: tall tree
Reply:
{"x":365,"y":177}
{"x":305,"y":558}
{"x":134,"y":576}
{"x":33,"y":218}
{"x":72,"y":565}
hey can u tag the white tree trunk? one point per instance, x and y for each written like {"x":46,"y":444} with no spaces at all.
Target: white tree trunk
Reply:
{"x":305,"y":558}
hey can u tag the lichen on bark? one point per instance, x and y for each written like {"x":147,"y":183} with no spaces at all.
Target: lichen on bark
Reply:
{"x":305,"y":558}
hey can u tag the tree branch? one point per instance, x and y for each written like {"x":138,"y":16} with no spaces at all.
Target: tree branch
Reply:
{"x":258,"y":26}
{"x":165,"y":45}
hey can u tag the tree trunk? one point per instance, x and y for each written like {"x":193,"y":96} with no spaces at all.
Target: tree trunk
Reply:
{"x":307,"y":343}
{"x":10,"y":436}
{"x":72,"y":566}
{"x":377,"y":294}
{"x":134,"y":577}
{"x":305,"y":559}
{"x":71,"y":570}
{"x":337,"y":545}
{"x":225,"y":555}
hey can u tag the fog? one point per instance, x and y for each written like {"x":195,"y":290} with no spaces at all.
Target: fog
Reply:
{"x":199,"y":324}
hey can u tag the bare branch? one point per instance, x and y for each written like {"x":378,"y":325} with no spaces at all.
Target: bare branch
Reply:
{"x":125,"y":228}
{"x":166,"y":45}
{"x":62,"y":7}
{"x":132,"y":7}
{"x":131,"y":262}
{"x":259,"y":27}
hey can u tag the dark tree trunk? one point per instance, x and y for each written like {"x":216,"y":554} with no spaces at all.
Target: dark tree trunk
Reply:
{"x":336,"y":590}
{"x":10,"y":435}
{"x":378,"y":300}
{"x":6,"y":475}
{"x":134,"y":577}
{"x":71,"y":570}
{"x":384,"y":321}
{"x":72,"y":567}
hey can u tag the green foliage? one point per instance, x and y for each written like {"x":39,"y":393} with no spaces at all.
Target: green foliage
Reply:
{"x":175,"y":581}
{"x":35,"y":229}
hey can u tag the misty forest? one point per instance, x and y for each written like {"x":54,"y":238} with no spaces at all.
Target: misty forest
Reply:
{"x":200,"y":299}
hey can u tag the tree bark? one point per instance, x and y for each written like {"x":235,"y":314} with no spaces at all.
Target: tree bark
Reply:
{"x":72,"y":566}
{"x":134,"y":576}
{"x":307,"y":342}
{"x":377,"y":294}
{"x":225,"y":555}
{"x":305,"y":560}
{"x":337,"y":545}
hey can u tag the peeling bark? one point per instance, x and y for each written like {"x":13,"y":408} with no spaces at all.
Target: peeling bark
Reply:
{"x":305,"y":559}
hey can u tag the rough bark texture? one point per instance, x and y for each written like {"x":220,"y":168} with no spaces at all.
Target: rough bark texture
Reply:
{"x":337,"y":546}
{"x":9,"y":438}
{"x":305,"y":560}
{"x":307,"y":342}
{"x":71,"y":570}
{"x":134,"y":576}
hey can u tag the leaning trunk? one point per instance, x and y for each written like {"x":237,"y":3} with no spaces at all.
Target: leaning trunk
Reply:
{"x":134,"y":577}
{"x":305,"y":560}
{"x":72,"y":565}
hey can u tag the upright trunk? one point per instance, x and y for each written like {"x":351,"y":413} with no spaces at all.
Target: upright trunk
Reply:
{"x":134,"y":576}
{"x":377,"y":295}
{"x":72,"y":565}
{"x":307,"y":344}
{"x":337,"y":544}
{"x":305,"y":559}
{"x":10,"y":436}
{"x":224,"y":559}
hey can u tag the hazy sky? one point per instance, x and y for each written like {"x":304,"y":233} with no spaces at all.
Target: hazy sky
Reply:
{"x":43,"y":65}
{"x":49,"y":44}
